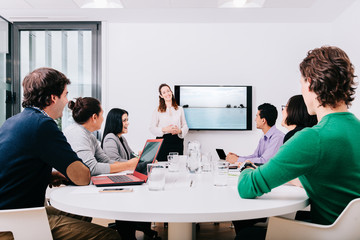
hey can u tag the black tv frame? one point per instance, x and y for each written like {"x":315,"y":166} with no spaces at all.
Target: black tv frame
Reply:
{"x":249,"y":116}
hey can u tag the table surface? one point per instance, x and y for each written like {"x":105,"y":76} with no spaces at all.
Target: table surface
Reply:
{"x":202,"y":202}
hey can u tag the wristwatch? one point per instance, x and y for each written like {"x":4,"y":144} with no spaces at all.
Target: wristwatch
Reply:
{"x":247,"y":164}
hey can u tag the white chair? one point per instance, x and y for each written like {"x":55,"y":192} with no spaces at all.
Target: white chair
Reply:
{"x":346,"y":226}
{"x":26,"y":223}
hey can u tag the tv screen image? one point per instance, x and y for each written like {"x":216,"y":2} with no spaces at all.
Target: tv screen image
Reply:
{"x":216,"y":107}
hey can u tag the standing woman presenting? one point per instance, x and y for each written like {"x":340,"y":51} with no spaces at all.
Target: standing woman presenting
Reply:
{"x":168,"y":122}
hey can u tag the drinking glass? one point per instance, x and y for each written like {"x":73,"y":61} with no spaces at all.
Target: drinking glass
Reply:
{"x":173,"y":161}
{"x":206,"y":162}
{"x":182,"y":163}
{"x":221,"y":171}
{"x":156,"y":176}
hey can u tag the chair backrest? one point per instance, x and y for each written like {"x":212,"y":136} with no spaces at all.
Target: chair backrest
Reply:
{"x":26,"y":223}
{"x":349,"y":218}
{"x":346,"y":226}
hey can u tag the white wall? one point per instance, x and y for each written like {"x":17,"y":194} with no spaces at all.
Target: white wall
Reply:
{"x":139,"y":57}
{"x":346,"y":32}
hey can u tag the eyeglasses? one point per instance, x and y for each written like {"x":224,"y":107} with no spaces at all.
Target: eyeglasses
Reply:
{"x":283,"y":107}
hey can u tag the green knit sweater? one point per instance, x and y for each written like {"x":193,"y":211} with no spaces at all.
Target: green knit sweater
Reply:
{"x":326,"y":158}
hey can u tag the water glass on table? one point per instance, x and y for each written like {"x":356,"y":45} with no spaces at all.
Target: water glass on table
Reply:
{"x":182,"y":163}
{"x":221,"y":172}
{"x":173,"y":161}
{"x":206,"y":162}
{"x":156,"y":176}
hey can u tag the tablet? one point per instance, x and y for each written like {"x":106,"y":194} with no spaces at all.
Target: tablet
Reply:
{"x":221,"y":153}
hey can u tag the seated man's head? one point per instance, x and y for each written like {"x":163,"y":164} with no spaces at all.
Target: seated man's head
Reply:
{"x":327,"y":78}
{"x":46,"y":88}
{"x":266,"y":116}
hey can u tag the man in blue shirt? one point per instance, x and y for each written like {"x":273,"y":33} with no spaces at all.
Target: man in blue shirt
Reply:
{"x":31,"y":145}
{"x":270,"y":143}
{"x":268,"y":146}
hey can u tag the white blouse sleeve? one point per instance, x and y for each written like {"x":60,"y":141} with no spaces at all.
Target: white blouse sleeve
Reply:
{"x":154,"y":127}
{"x":183,"y":125}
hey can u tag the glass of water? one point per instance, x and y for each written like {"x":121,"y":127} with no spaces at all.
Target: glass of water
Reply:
{"x":173,"y":161}
{"x":221,"y":171}
{"x":156,"y":176}
{"x":206,"y":162}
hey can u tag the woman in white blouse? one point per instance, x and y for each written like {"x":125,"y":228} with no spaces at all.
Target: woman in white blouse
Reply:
{"x":168,"y":122}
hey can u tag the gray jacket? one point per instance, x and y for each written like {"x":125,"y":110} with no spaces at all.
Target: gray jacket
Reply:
{"x":115,"y":150}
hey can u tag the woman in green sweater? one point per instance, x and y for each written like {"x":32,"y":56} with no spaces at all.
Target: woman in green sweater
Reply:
{"x":326,"y":157}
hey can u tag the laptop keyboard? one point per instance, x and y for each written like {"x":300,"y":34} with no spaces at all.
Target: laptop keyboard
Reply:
{"x":120,"y":178}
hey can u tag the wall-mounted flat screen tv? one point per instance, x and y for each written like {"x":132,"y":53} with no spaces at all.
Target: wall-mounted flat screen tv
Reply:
{"x":210,"y":107}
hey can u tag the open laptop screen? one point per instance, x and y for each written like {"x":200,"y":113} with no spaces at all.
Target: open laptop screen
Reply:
{"x":147,"y":156}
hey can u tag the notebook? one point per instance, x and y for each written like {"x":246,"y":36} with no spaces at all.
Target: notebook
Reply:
{"x":139,"y":176}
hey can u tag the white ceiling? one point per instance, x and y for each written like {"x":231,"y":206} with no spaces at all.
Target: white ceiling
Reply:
{"x":175,"y":11}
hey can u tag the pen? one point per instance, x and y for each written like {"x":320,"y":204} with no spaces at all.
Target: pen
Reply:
{"x":116,"y":190}
{"x":113,"y":189}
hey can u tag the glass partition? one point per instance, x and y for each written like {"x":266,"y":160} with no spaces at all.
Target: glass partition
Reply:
{"x":66,"y":51}
{"x":71,"y":48}
{"x":5,"y":80}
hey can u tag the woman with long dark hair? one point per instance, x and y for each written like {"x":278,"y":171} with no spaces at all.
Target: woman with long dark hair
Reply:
{"x":168,"y":122}
{"x":296,"y":117}
{"x":117,"y":149}
{"x":88,"y":116}
{"x":113,"y":142}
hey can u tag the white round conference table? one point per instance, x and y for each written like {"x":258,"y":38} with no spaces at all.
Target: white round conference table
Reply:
{"x":179,"y":204}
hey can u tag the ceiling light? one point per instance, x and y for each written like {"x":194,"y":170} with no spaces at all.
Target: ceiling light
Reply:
{"x":241,"y":3}
{"x":101,"y":4}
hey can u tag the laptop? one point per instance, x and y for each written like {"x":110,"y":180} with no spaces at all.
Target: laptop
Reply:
{"x":139,"y":176}
{"x":221,"y":153}
{"x":222,"y":156}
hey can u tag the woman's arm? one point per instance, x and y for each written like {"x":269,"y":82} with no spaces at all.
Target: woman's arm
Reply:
{"x":123,"y":166}
{"x":184,"y":129}
{"x":154,"y":125}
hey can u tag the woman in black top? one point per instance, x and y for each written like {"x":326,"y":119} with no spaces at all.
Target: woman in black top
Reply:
{"x":295,"y":116}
